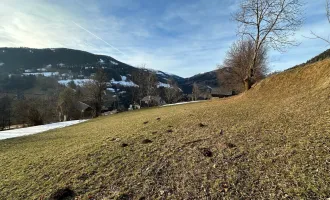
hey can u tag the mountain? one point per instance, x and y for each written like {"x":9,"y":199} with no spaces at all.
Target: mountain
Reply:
{"x":62,"y":60}
{"x":77,"y":64}
{"x":203,"y":80}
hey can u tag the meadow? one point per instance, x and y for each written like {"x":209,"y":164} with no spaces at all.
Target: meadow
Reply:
{"x":272,"y":142}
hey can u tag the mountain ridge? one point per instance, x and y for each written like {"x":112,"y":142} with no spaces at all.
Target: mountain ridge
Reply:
{"x":78,"y":60}
{"x":74,"y":60}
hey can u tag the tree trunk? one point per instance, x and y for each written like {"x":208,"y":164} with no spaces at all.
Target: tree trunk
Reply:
{"x":247,"y":83}
{"x":97,"y":111}
{"x":9,"y":120}
{"x":248,"y":79}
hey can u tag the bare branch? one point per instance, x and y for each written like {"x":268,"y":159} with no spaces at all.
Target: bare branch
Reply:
{"x":327,"y":40}
{"x":262,"y":19}
{"x":268,"y":23}
{"x":236,"y":65}
{"x":328,"y":10}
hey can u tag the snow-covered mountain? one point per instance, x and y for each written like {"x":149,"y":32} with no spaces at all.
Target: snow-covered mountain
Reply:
{"x":70,"y":64}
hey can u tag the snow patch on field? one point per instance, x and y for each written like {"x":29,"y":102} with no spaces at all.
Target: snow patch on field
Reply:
{"x":161,"y":73}
{"x":124,"y":83}
{"x":36,"y":129}
{"x":123,"y":78}
{"x":160,"y":84}
{"x":114,"y":63}
{"x":181,"y":103}
{"x":42,"y":70}
{"x":79,"y":82}
{"x":47,"y":74}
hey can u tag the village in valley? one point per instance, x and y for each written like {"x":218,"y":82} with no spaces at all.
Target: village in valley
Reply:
{"x":99,"y":86}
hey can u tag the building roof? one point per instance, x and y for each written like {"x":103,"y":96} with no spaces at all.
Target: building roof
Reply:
{"x":218,"y":91}
{"x":82,"y":106}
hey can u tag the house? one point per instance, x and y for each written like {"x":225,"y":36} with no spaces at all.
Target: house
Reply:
{"x":86,"y":111}
{"x":152,"y":101}
{"x":218,"y":93}
{"x":79,"y":111}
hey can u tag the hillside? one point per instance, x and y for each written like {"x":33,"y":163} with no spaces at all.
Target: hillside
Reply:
{"x":66,"y":60}
{"x":76,"y":64}
{"x":322,"y":56}
{"x":207,"y":79}
{"x":272,"y":142}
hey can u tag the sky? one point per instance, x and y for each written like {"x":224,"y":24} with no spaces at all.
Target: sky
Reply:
{"x":175,"y":36}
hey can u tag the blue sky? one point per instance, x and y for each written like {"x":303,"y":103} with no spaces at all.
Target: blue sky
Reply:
{"x":180,"y":37}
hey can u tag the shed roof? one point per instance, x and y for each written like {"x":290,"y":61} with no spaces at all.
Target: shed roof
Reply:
{"x":82,"y":106}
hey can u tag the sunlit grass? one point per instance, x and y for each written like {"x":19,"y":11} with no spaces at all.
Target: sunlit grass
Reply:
{"x":270,"y":143}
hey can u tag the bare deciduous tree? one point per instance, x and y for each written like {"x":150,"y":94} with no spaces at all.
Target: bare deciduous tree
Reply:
{"x":195,"y":92}
{"x":268,"y":22}
{"x":236,"y":66}
{"x":5,"y":112}
{"x":35,"y":111}
{"x":151,"y":84}
{"x":95,"y":91}
{"x":137,"y":78}
{"x":147,"y":82}
{"x":172,"y":94}
{"x":67,"y":104}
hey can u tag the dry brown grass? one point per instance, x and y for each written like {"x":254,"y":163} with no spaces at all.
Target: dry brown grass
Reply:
{"x":275,"y":144}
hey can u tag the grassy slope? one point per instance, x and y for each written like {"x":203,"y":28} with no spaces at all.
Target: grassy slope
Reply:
{"x":276,"y":144}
